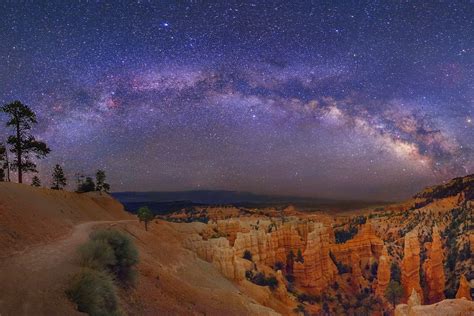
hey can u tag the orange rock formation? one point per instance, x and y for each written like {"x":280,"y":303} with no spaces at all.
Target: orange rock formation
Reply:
{"x":366,"y":244}
{"x":434,"y":271}
{"x":316,"y":271}
{"x":464,"y":289}
{"x":359,"y":252}
{"x":411,"y":265}
{"x":383,"y":273}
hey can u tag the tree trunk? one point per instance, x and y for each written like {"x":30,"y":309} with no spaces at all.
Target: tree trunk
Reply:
{"x":8,"y":165}
{"x":18,"y":152}
{"x":146,"y":225}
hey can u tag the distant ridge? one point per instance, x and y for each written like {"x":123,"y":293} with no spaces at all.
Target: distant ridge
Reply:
{"x":161,"y":202}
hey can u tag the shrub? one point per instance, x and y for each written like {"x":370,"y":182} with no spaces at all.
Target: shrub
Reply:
{"x":394,"y":292}
{"x":86,"y":186}
{"x":261,"y":280}
{"x":290,"y":278}
{"x":97,"y":254}
{"x":374,"y":268}
{"x":311,"y":299}
{"x":300,"y":310}
{"x":94,"y":293}
{"x":126,"y":254}
{"x":279,"y":265}
{"x":465,"y":253}
{"x":272,"y":282}
{"x":247,"y":255}
{"x":395,"y":273}
{"x":299,"y":256}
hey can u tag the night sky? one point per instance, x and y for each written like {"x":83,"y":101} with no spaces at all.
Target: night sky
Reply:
{"x":324,"y":100}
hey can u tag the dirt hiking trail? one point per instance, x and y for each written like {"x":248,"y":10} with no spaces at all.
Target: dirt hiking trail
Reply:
{"x":28,"y":280}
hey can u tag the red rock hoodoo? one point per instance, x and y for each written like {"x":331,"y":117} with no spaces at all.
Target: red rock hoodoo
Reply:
{"x":434,"y":271}
{"x":411,"y":265}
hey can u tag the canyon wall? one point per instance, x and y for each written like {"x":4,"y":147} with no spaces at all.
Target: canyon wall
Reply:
{"x":365,"y":244}
{"x":268,"y":244}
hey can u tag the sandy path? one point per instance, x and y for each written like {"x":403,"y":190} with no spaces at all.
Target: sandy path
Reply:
{"x":30,"y":279}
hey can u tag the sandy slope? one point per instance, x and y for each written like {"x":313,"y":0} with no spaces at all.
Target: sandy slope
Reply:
{"x":174,"y":281}
{"x":33,"y":282}
{"x":31,"y":216}
{"x":40,"y":231}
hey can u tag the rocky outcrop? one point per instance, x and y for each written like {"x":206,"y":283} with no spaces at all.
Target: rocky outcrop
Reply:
{"x":383,"y":273}
{"x":359,"y":253}
{"x":434,"y":271}
{"x":357,"y":277}
{"x":230,"y":228}
{"x":455,"y":307}
{"x":411,"y":265}
{"x":414,"y":299}
{"x":316,"y":271}
{"x":366,"y":244}
{"x":464,"y":290}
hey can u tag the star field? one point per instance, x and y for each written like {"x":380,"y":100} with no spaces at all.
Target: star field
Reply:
{"x":329,"y":99}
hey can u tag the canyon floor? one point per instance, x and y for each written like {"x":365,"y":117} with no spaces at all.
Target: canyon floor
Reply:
{"x":235,"y":261}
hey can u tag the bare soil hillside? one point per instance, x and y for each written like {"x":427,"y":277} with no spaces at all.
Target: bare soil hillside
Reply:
{"x":40,"y":230}
{"x":31,"y":216}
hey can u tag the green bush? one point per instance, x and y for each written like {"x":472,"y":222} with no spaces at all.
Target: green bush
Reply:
{"x":395,"y":272}
{"x":279,"y":266}
{"x":97,"y":254}
{"x":311,"y":299}
{"x":94,"y":293}
{"x":300,"y":310}
{"x":126,"y":254}
{"x":261,"y":280}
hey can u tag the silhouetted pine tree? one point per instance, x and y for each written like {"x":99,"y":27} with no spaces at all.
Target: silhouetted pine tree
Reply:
{"x":21,"y":117}
{"x":101,"y":185}
{"x":59,"y":180}
{"x":35,"y":182}
{"x":87,"y":185}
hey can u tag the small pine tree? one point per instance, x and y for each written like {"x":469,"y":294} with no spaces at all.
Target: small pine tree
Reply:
{"x":35,"y":182}
{"x":290,"y":258}
{"x":145,"y":215}
{"x":299,"y":256}
{"x":394,"y":292}
{"x":87,"y":185}
{"x":59,"y":180}
{"x":101,"y":185}
{"x":395,"y":272}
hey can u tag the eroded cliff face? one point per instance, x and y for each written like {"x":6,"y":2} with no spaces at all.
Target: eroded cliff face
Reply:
{"x":434,"y":270}
{"x":317,"y":270}
{"x":269,"y":243}
{"x":359,"y":254}
{"x":366,"y":245}
{"x":411,"y":265}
